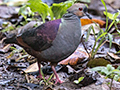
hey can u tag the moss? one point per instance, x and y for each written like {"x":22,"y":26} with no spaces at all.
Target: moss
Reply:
{"x":97,"y":62}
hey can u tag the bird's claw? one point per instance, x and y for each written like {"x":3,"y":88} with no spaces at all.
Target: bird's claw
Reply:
{"x":40,"y":76}
{"x":58,"y":81}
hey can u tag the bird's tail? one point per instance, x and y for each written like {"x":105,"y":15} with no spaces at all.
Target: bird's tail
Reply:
{"x":10,"y":39}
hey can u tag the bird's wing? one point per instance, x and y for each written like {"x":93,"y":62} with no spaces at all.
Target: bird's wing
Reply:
{"x":40,"y":38}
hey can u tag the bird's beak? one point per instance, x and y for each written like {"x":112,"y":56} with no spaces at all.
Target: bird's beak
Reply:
{"x":88,"y":15}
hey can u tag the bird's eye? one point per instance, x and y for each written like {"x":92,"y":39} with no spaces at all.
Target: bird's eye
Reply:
{"x":80,"y":9}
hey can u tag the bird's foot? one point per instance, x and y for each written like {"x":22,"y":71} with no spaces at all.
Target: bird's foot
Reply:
{"x":40,"y":76}
{"x":58,"y":81}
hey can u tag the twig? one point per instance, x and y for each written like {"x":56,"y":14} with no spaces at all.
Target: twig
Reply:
{"x":84,"y":45}
{"x":26,"y":76}
{"x":111,"y":83}
{"x":20,"y":85}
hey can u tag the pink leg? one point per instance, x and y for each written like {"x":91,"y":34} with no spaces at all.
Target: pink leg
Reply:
{"x":57,"y":78}
{"x":39,"y":66}
{"x":40,"y":75}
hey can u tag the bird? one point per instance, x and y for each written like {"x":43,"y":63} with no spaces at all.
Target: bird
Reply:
{"x":54,"y":40}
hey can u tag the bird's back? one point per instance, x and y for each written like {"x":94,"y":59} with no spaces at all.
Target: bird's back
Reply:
{"x":41,"y":37}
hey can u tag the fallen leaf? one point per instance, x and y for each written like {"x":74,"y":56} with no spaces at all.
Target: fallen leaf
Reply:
{"x":77,"y":57}
{"x":112,"y":57}
{"x":89,"y":21}
{"x":33,"y":79}
{"x":32,"y":68}
{"x":5,"y":49}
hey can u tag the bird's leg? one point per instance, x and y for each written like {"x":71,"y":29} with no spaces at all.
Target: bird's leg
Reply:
{"x":39,"y":66}
{"x":55,"y":73}
{"x":40,"y":74}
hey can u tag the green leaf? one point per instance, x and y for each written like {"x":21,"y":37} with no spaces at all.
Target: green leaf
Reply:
{"x":116,"y":71}
{"x":118,"y":51}
{"x":100,"y":43}
{"x":51,"y":13}
{"x":118,"y":67}
{"x":41,"y":82}
{"x":110,"y":67}
{"x":112,"y":16}
{"x":118,"y":31}
{"x":50,"y":77}
{"x":92,"y":52}
{"x":88,"y":33}
{"x":98,"y":68}
{"x":105,"y":71}
{"x":111,"y":25}
{"x":43,"y":76}
{"x":80,"y":79}
{"x":103,"y":3}
{"x":106,"y":14}
{"x":110,"y":40}
{"x":102,"y":35}
{"x":60,"y":8}
{"x":116,"y":77}
{"x":9,"y":28}
{"x":22,"y":10}
{"x":40,"y":7}
{"x":76,"y":81}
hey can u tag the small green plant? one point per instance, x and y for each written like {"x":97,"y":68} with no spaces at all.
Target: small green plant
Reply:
{"x":7,"y":26}
{"x":79,"y":80}
{"x":115,"y":21}
{"x":103,"y":35}
{"x":42,"y":8}
{"x":55,"y":11}
{"x":21,"y":55}
{"x":60,"y":8}
{"x":110,"y":72}
{"x":47,"y":82}
{"x":25,"y":11}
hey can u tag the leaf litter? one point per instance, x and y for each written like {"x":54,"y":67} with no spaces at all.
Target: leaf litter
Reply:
{"x":13,"y":65}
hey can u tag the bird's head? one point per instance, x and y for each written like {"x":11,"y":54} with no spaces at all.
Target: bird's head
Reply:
{"x":79,"y":9}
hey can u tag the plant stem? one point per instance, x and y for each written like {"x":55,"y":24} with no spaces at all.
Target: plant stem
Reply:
{"x":111,"y":82}
{"x":116,"y":27}
{"x":106,"y":14}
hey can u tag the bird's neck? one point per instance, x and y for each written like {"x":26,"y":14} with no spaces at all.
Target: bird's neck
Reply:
{"x":70,"y":16}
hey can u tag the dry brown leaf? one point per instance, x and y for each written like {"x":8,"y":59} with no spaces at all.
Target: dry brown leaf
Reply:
{"x":32,"y":68}
{"x":89,"y":21}
{"x":113,"y":55}
{"x":75,"y":58}
{"x":6,"y":48}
